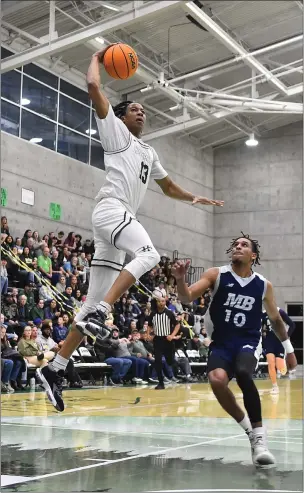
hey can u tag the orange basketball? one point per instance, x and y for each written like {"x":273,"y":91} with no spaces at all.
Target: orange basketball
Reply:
{"x":120,"y":61}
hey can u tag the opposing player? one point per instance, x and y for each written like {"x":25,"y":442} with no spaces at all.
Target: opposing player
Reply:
{"x":275,"y":352}
{"x":129,"y":164}
{"x":233,"y":322}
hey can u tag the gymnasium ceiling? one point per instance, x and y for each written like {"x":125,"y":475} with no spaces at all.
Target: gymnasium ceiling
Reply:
{"x":213,"y":86}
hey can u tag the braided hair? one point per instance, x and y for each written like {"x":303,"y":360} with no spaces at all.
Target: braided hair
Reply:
{"x":254,"y":246}
{"x":121,"y":108}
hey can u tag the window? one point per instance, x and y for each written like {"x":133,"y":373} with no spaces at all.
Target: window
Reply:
{"x":40,"y":74}
{"x":39,"y":98}
{"x":295,"y":309}
{"x":73,"y":145}
{"x":74,"y":115}
{"x":94,"y":128}
{"x":34,"y":127}
{"x":97,"y":155}
{"x":5,"y":53}
{"x":74,"y":92}
{"x":10,"y":86}
{"x":10,"y":118}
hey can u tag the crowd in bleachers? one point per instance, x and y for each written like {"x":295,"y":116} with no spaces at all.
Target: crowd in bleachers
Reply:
{"x":44,"y":282}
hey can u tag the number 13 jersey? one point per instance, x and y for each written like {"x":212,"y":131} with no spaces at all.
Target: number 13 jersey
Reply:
{"x":129,"y":163}
{"x":235,"y":309}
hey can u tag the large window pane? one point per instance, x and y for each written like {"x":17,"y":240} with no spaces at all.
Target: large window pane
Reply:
{"x":74,"y":92}
{"x":34,"y":127}
{"x":5,"y":53}
{"x":73,"y":145}
{"x":39,"y":98}
{"x":97,"y":155}
{"x":74,"y":115}
{"x":40,"y":74}
{"x":10,"y":86}
{"x":10,"y":118}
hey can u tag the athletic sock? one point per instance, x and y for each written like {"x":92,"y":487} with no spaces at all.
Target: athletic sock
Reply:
{"x":104,"y":307}
{"x":245,"y":424}
{"x":59,"y":363}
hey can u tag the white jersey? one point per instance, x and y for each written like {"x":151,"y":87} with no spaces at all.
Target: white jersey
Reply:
{"x":129,"y":163}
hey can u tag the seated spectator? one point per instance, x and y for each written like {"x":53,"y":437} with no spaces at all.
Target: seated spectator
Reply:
{"x":160,"y":291}
{"x":52,"y":311}
{"x":74,"y":285}
{"x":120,"y":366}
{"x":4,"y":276}
{"x":70,"y":241}
{"x":171,"y":286}
{"x":78,"y":299}
{"x":88,"y":247}
{"x":28,"y":234}
{"x":38,"y":310}
{"x":61,"y":285}
{"x":8,"y":243}
{"x":18,"y":244}
{"x":68,"y":300}
{"x":24,"y":275}
{"x":47,"y":344}
{"x":10,"y":311}
{"x":59,"y":243}
{"x":140,"y":367}
{"x":60,"y":332}
{"x":57,"y":267}
{"x":78,"y":245}
{"x":13,"y":364}
{"x":29,"y":349}
{"x":37,"y":322}
{"x":83,"y":266}
{"x":45,"y":264}
{"x":74,"y":266}
{"x":15,"y":295}
{"x":4,"y":226}
{"x":170,"y":305}
{"x":23,"y":311}
{"x":46,"y":294}
{"x":201,"y":308}
{"x":29,"y":292}
{"x":66,"y":320}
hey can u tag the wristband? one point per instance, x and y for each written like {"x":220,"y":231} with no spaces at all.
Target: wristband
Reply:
{"x":288,"y":346}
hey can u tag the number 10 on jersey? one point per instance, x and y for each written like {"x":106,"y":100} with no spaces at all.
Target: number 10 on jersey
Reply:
{"x":144,"y":170}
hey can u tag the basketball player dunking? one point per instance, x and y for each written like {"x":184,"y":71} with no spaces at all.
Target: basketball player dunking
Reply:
{"x":233,"y":322}
{"x":129,"y":164}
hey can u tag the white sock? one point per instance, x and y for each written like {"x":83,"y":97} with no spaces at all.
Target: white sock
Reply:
{"x":258,"y":431}
{"x":245,"y":424}
{"x":274,"y":385}
{"x":59,"y":363}
{"x":104,"y":307}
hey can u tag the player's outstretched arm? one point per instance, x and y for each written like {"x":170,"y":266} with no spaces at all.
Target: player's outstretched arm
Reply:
{"x":100,"y":101}
{"x":278,"y":326}
{"x":189,"y":293}
{"x":171,"y":189}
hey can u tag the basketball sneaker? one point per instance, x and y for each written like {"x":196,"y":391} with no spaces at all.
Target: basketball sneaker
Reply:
{"x":259,"y":450}
{"x":274,"y":390}
{"x":51,"y":381}
{"x":93,"y":325}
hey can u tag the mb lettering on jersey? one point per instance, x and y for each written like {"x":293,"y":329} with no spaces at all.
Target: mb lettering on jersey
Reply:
{"x":240,"y":301}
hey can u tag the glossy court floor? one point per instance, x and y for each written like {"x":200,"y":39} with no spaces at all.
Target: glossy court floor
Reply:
{"x":176,"y":440}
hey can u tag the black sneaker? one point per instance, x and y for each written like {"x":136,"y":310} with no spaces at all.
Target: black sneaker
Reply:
{"x":93,"y":325}
{"x":160,"y":386}
{"x":51,"y":381}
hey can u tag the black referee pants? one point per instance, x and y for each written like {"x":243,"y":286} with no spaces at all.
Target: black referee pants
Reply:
{"x":162,"y":347}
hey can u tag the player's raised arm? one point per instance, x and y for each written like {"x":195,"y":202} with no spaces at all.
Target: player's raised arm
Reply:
{"x":100,"y":101}
{"x":173,"y":190}
{"x":278,"y":326}
{"x":189,"y":293}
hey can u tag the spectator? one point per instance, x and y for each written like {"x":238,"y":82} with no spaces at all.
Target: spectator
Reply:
{"x":74,"y":285}
{"x":29,"y":293}
{"x":8,"y":242}
{"x":88,"y":247}
{"x":46,"y":294}
{"x":171,"y":286}
{"x":201,"y":308}
{"x":4,"y":226}
{"x":45,"y":264}
{"x":59,"y":243}
{"x":4,"y":276}
{"x":28,"y":234}
{"x":10,"y":311}
{"x":29,"y":349}
{"x":15,"y":295}
{"x":70,"y":241}
{"x":75,"y":271}
{"x":78,"y":246}
{"x":38,"y":310}
{"x":68,"y":300}
{"x":57,"y":267}
{"x":78,"y":299}
{"x":13,"y":363}
{"x":61,"y":285}
{"x":83,"y":266}
{"x":160,"y":291}
{"x":18,"y":244}
{"x":52,"y":311}
{"x":23,"y":311}
{"x":60,"y":332}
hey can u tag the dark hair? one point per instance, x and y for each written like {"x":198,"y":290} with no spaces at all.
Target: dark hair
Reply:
{"x":254,"y":246}
{"x":121,"y":108}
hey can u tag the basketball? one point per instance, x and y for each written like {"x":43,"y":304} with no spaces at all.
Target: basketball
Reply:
{"x":120,"y":61}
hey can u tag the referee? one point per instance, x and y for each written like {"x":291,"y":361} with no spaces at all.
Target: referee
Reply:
{"x":165,"y":327}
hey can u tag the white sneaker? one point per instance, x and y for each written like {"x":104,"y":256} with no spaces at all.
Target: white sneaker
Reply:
{"x":143,"y":382}
{"x":275,"y":390}
{"x":136,"y":380}
{"x":259,"y":450}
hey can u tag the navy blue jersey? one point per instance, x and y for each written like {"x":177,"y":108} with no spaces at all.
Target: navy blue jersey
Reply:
{"x":235,"y":310}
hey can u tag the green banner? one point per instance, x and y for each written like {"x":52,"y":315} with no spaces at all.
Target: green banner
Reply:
{"x":55,"y":211}
{"x":3,"y":197}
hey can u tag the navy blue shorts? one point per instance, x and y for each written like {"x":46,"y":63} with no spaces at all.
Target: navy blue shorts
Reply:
{"x":272,"y":345}
{"x":225,"y":355}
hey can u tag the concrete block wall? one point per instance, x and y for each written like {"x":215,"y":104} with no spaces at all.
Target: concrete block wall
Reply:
{"x":262,"y":188}
{"x":56,"y":178}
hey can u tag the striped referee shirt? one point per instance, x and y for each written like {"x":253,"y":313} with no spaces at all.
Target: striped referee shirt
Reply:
{"x":163,"y":323}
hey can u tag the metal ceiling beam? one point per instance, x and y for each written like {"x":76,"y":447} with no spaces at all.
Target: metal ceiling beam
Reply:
{"x":172,"y":129}
{"x":16,"y":7}
{"x":231,"y":44}
{"x":85,"y":34}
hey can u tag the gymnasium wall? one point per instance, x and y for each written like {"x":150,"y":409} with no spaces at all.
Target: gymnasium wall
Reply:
{"x":72,"y":184}
{"x":262,"y":187}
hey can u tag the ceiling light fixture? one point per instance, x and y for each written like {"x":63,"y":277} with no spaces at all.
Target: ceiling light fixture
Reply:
{"x":100,"y":40}
{"x":111,"y":7}
{"x":91,"y":132}
{"x":145,"y":89}
{"x":251,"y":142}
{"x":25,"y":101}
